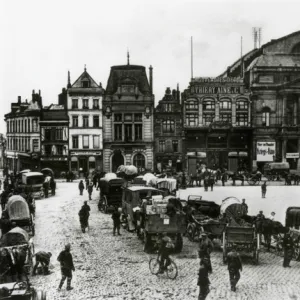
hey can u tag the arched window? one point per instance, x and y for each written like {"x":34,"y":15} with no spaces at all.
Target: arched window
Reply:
{"x":241,"y":105}
{"x":266,"y":116}
{"x":225,"y":105}
{"x":139,"y":161}
{"x":191,"y":105}
{"x":208,"y":105}
{"x":168,"y":126}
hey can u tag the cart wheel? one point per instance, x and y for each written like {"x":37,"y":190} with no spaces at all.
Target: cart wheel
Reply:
{"x":296,"y":254}
{"x":190,"y":232}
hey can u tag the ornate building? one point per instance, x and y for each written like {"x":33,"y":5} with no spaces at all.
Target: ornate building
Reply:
{"x":23,"y":134}
{"x":128,"y":118}
{"x":84,"y":105}
{"x":168,"y":133}
{"x":54,"y":127}
{"x":217,"y":123}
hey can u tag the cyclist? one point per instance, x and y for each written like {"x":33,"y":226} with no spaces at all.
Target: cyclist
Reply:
{"x":166,"y":246}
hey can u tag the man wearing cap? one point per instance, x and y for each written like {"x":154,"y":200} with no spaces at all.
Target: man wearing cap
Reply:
{"x":203,"y":281}
{"x":166,"y":246}
{"x":244,"y":210}
{"x":84,"y":215}
{"x":234,"y":267}
{"x":42,"y":258}
{"x":288,"y":248}
{"x":205,"y":248}
{"x":66,"y":265}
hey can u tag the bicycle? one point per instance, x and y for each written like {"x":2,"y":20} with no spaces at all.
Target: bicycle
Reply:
{"x":171,"y":269}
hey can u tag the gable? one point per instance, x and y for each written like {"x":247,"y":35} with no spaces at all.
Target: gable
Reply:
{"x":85,"y":77}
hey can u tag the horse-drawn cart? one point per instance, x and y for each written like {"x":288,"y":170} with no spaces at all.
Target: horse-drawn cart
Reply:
{"x":292,"y":221}
{"x":238,"y":233}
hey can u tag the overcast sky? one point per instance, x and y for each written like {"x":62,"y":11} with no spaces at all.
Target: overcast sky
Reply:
{"x":42,"y":40}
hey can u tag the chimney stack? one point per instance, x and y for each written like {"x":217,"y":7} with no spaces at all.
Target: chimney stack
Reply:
{"x":19,"y":99}
{"x":151,"y":79}
{"x":178,"y":93}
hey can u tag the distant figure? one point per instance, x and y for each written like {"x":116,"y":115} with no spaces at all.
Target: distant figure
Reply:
{"x":46,"y":188}
{"x":81,"y":187}
{"x":84,"y":215}
{"x":288,"y":247}
{"x":203,"y":281}
{"x":87,"y":181}
{"x":90,"y":190}
{"x":116,"y":215}
{"x":264,"y":190}
{"x":52,"y":186}
{"x":234,"y":267}
{"x":205,"y":248}
{"x":244,"y":207}
{"x":0,"y":184}
{"x":271,"y":216}
{"x":42,"y":258}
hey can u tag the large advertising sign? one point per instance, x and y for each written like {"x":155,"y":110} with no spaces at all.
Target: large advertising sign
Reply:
{"x":265,"y":151}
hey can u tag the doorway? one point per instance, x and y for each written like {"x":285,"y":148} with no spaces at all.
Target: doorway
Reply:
{"x":117,"y":160}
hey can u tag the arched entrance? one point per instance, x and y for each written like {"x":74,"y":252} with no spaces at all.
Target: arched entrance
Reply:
{"x":117,"y":160}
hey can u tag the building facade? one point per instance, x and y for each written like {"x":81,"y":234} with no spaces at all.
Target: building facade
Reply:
{"x":217,"y":124}
{"x":23,"y":134}
{"x":128,"y":109}
{"x":54,"y":137}
{"x":168,"y":133}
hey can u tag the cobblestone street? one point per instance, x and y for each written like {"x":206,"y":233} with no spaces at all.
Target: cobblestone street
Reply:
{"x":115,"y":267}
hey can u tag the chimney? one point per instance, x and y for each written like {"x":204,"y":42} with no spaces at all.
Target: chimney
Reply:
{"x":151,"y":79}
{"x":174,"y":94}
{"x":178,"y":94}
{"x":19,"y":99}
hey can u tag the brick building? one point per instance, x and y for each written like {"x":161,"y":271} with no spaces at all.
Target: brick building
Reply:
{"x":168,"y":133}
{"x":128,"y":109}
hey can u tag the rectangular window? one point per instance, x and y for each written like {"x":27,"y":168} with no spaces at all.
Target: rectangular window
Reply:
{"x":95,"y":121}
{"x":225,"y":118}
{"x":34,"y":125}
{"x":241,"y":105}
{"x":74,"y":166}
{"x":168,"y":107}
{"x":191,"y":105}
{"x":266,"y":118}
{"x":95,"y":103}
{"x":138,"y":131}
{"x":35,"y":145}
{"x":96,"y":142}
{"x":59,"y":150}
{"x":85,"y":141}
{"x":47,"y":134}
{"x":128,"y":132}
{"x":48,"y":150}
{"x":128,"y":117}
{"x":192,"y":119}
{"x":168,"y":126}
{"x":242,"y":119}
{"x":59,"y":134}
{"x":75,"y":103}
{"x":85,"y":123}
{"x":208,"y":105}
{"x":118,"y":132}
{"x":75,"y":121}
{"x":118,"y":117}
{"x":162,"y":146}
{"x":75,"y":141}
{"x":175,"y":146}
{"x":225,"y":105}
{"x":138,"y":117}
{"x":207,"y":119}
{"x":85,"y":103}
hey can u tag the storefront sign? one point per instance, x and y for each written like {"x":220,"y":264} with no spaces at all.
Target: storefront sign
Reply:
{"x":230,"y":154}
{"x":218,"y":79}
{"x":54,"y":158}
{"x":191,"y":154}
{"x":216,"y":89}
{"x":292,"y":155}
{"x":266,"y":79}
{"x":265,"y":151}
{"x":220,"y":125}
{"x":84,"y":153}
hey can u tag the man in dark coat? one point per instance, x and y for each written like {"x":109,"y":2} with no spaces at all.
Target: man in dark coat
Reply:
{"x":205,"y":248}
{"x":244,"y":207}
{"x":84,"y":215}
{"x":234,"y":267}
{"x":42,"y":258}
{"x":264,"y":190}
{"x":203,"y":281}
{"x":288,"y":247}
{"x":81,"y":187}
{"x":116,"y":215}
{"x":46,"y":188}
{"x":66,"y":265}
{"x":52,"y":186}
{"x":90,"y":190}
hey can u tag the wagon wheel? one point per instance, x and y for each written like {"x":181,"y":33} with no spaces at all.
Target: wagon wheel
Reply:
{"x":296,"y":254}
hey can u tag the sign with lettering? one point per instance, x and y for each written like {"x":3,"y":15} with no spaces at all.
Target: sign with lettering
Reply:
{"x":265,"y":151}
{"x":218,"y":79}
{"x":266,"y":79}
{"x":85,"y":153}
{"x":292,"y":155}
{"x":216,"y":89}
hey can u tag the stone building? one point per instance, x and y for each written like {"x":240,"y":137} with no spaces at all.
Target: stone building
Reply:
{"x":23,"y":134}
{"x":128,"y":109}
{"x":217,"y":123}
{"x":272,"y":74}
{"x":168,"y":133}
{"x":54,"y":127}
{"x":84,"y":105}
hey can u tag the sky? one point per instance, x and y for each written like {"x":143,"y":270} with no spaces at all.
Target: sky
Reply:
{"x":41,"y":40}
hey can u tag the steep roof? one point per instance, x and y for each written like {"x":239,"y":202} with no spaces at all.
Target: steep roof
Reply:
{"x":85,"y":76}
{"x":128,"y":74}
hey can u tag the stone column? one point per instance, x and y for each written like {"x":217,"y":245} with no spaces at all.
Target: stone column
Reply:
{"x":233,"y":112}
{"x":284,"y":100}
{"x":200,"y":111}
{"x":284,"y":150}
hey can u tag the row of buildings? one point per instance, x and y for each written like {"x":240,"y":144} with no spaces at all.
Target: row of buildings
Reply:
{"x":247,"y":116}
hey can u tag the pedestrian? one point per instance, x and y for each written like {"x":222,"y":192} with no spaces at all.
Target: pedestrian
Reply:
{"x":288,"y":248}
{"x":84,"y":215}
{"x":244,"y":209}
{"x":264,"y":189}
{"x":6,"y":264}
{"x":52,"y":186}
{"x":90,"y":190}
{"x":223,"y":178}
{"x":271,"y":216}
{"x":95,"y":180}
{"x":81,"y":187}
{"x":234,"y":267}
{"x":46,"y":188}
{"x":211,"y":182}
{"x":205,"y":248}
{"x":116,"y":215}
{"x":87,"y":181}
{"x":165,"y":248}
{"x":19,"y":258}
{"x":0,"y":184}
{"x":42,"y":258}
{"x":203,"y":281}
{"x":66,"y":265}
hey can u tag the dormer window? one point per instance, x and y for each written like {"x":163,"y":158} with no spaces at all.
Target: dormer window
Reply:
{"x":85,"y":83}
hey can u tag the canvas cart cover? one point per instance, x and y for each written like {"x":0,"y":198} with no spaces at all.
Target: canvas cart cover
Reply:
{"x":17,"y":208}
{"x":231,"y":206}
{"x":47,"y":172}
{"x":109,"y":176}
{"x":292,"y":217}
{"x":16,"y":236}
{"x":131,"y":170}
{"x":150,"y":179}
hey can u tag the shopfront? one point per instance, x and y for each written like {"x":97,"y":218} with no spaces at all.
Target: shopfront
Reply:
{"x":83,"y":162}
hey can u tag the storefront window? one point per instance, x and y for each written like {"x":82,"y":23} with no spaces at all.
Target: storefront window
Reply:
{"x":162,"y":146}
{"x":139,"y":161}
{"x":192,"y":119}
{"x":225,"y":105}
{"x":208,"y":118}
{"x":208,"y":105}
{"x":241,"y":119}
{"x":168,"y":126}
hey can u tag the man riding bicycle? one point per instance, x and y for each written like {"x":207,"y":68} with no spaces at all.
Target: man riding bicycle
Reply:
{"x":166,"y":246}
